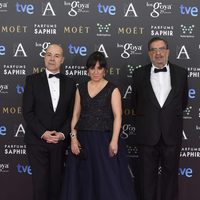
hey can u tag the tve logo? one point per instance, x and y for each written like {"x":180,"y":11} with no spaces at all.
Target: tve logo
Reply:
{"x":187,"y":172}
{"x":187,"y":10}
{"x":26,"y":169}
{"x":26,"y":8}
{"x":19,"y":89}
{"x":2,"y":130}
{"x":110,"y":9}
{"x":77,"y":50}
{"x":2,"y":50}
{"x":192,"y":93}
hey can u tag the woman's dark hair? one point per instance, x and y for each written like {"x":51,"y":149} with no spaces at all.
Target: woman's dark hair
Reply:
{"x":154,"y":39}
{"x":94,"y":58}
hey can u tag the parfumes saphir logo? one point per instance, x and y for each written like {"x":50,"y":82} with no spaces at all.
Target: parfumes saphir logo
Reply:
{"x":162,"y":30}
{"x":75,"y":70}
{"x":193,"y":72}
{"x":14,"y":70}
{"x":190,"y":152}
{"x":14,"y":149}
{"x":45,"y":29}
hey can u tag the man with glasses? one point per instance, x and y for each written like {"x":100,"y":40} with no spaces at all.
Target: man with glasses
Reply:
{"x":159,"y":98}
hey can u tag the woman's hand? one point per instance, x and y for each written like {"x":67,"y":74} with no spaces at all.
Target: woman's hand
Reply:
{"x":113,"y":149}
{"x":75,"y":146}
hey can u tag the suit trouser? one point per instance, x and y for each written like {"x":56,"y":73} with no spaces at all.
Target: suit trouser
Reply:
{"x":47,"y":162}
{"x":150,"y":159}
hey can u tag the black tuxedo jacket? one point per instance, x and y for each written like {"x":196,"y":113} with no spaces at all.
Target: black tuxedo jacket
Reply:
{"x":38,"y":110}
{"x":150,"y":119}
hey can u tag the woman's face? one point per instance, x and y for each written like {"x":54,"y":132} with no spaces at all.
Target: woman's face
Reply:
{"x":97,"y":72}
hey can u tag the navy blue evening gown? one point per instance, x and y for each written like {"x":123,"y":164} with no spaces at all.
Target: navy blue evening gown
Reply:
{"x":95,"y":175}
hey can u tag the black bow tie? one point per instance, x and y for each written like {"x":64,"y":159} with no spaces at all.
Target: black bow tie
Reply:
{"x":54,"y":75}
{"x":164,"y":69}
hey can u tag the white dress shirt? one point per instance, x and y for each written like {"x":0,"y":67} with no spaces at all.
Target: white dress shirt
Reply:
{"x":161,"y":84}
{"x":54,"y":86}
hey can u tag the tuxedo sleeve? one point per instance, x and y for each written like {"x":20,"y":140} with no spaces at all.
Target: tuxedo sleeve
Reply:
{"x":28,"y":105}
{"x":66,"y":128}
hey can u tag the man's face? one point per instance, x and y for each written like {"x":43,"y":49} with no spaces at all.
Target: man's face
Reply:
{"x":53,"y":58}
{"x":158,"y":53}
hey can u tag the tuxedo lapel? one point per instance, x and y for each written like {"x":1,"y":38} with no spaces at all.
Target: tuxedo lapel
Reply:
{"x":62,"y":93}
{"x":173,"y":85}
{"x":149,"y":89}
{"x":46,"y":90}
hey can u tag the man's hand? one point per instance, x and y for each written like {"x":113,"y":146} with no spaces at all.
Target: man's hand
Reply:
{"x":52,"y":137}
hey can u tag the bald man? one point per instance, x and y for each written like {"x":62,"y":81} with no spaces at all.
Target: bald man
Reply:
{"x":47,"y":109}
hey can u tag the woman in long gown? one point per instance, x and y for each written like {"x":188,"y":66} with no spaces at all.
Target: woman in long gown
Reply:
{"x":97,"y":168}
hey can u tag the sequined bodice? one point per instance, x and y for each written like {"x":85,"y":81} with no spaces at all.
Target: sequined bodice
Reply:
{"x":96,"y":112}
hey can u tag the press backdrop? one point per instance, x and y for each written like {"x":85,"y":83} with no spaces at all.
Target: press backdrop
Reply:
{"x":119,"y":29}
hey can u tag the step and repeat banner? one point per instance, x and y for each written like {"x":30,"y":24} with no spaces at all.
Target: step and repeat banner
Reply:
{"x":119,"y":29}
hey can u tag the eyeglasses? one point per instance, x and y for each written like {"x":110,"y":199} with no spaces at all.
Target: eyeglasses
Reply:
{"x":160,"y":50}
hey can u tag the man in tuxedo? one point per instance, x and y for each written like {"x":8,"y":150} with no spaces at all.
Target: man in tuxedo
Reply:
{"x":47,"y":109}
{"x":159,"y":98}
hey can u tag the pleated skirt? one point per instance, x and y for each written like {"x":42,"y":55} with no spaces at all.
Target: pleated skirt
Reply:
{"x":95,"y":175}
